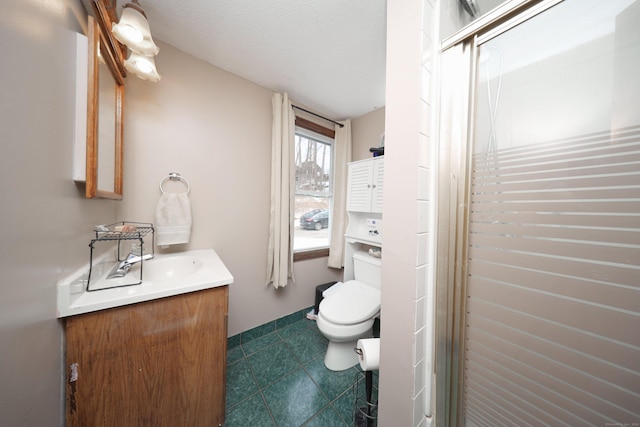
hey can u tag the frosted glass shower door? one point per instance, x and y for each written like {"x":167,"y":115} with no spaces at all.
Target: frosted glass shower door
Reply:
{"x":552,"y":307}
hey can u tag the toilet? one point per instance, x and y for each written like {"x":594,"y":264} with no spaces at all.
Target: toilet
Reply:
{"x":347,"y":313}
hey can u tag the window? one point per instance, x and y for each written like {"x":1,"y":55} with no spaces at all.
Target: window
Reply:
{"x":314,"y":186}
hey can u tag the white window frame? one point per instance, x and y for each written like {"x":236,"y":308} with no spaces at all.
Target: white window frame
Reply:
{"x":310,"y":134}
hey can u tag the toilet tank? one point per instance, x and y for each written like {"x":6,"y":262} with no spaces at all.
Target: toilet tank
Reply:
{"x":367,"y":269}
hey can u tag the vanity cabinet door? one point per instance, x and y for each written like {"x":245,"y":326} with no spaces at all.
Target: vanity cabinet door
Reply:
{"x":156,"y":363}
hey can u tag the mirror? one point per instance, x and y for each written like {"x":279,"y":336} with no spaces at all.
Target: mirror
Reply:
{"x":104,"y":119}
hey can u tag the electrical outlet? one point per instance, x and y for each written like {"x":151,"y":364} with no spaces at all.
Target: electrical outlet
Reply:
{"x":373,"y":226}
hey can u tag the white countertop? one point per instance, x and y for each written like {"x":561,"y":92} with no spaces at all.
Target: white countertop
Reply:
{"x":74,"y":299}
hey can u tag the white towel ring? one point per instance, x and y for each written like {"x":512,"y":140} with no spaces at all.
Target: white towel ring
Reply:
{"x":174,"y":176}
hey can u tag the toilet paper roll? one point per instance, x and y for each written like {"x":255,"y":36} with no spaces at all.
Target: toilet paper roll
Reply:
{"x":369,"y":353}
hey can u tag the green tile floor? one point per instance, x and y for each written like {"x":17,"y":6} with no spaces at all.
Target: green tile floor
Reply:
{"x":276,"y":377}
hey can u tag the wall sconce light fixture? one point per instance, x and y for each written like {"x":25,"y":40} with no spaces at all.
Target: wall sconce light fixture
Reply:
{"x":133,"y":31}
{"x":142,"y":66}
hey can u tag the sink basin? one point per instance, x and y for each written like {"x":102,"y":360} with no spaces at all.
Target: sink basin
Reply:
{"x":170,"y":268}
{"x":163,"y":276}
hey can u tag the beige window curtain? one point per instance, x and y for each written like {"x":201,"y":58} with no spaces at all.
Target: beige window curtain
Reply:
{"x":342,"y":147}
{"x":280,"y":251}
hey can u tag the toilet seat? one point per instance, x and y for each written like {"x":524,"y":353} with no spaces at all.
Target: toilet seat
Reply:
{"x":353,"y":303}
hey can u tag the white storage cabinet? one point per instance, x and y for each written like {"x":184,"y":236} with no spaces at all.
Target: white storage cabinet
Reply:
{"x":366,"y":183}
{"x":364,"y":207}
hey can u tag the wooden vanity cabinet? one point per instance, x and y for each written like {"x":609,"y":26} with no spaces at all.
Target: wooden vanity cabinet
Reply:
{"x":155,"y":363}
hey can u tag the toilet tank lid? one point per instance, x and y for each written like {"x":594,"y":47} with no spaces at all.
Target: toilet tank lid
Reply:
{"x":364,"y":256}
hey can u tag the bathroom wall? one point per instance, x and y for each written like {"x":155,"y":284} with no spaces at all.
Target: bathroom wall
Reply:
{"x":365,"y":133}
{"x":46,"y":221}
{"x":407,"y":275}
{"x":214,"y":128}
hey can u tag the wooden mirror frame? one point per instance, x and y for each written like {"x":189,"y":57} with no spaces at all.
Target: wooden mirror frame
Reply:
{"x":100,"y":43}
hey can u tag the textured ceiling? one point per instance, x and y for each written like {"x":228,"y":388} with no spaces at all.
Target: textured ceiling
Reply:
{"x":326,"y":54}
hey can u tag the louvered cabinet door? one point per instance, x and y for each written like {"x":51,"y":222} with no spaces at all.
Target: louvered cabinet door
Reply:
{"x":377,"y":180}
{"x":359,"y":189}
{"x":366,"y":179}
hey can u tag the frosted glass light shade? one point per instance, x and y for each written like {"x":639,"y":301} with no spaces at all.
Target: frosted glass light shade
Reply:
{"x":142,"y":66}
{"x":133,"y":31}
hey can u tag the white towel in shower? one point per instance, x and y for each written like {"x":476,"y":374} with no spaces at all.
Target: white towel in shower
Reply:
{"x":173,"y":219}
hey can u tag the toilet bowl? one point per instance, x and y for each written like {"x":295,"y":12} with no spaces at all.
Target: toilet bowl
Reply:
{"x":345,"y":316}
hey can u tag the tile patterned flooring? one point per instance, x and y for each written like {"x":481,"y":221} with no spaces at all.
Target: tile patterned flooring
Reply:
{"x":276,"y":377}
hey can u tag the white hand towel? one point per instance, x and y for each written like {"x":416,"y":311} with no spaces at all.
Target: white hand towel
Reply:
{"x":173,"y":219}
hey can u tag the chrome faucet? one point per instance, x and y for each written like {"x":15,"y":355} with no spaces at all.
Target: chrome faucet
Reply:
{"x":122,"y":268}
